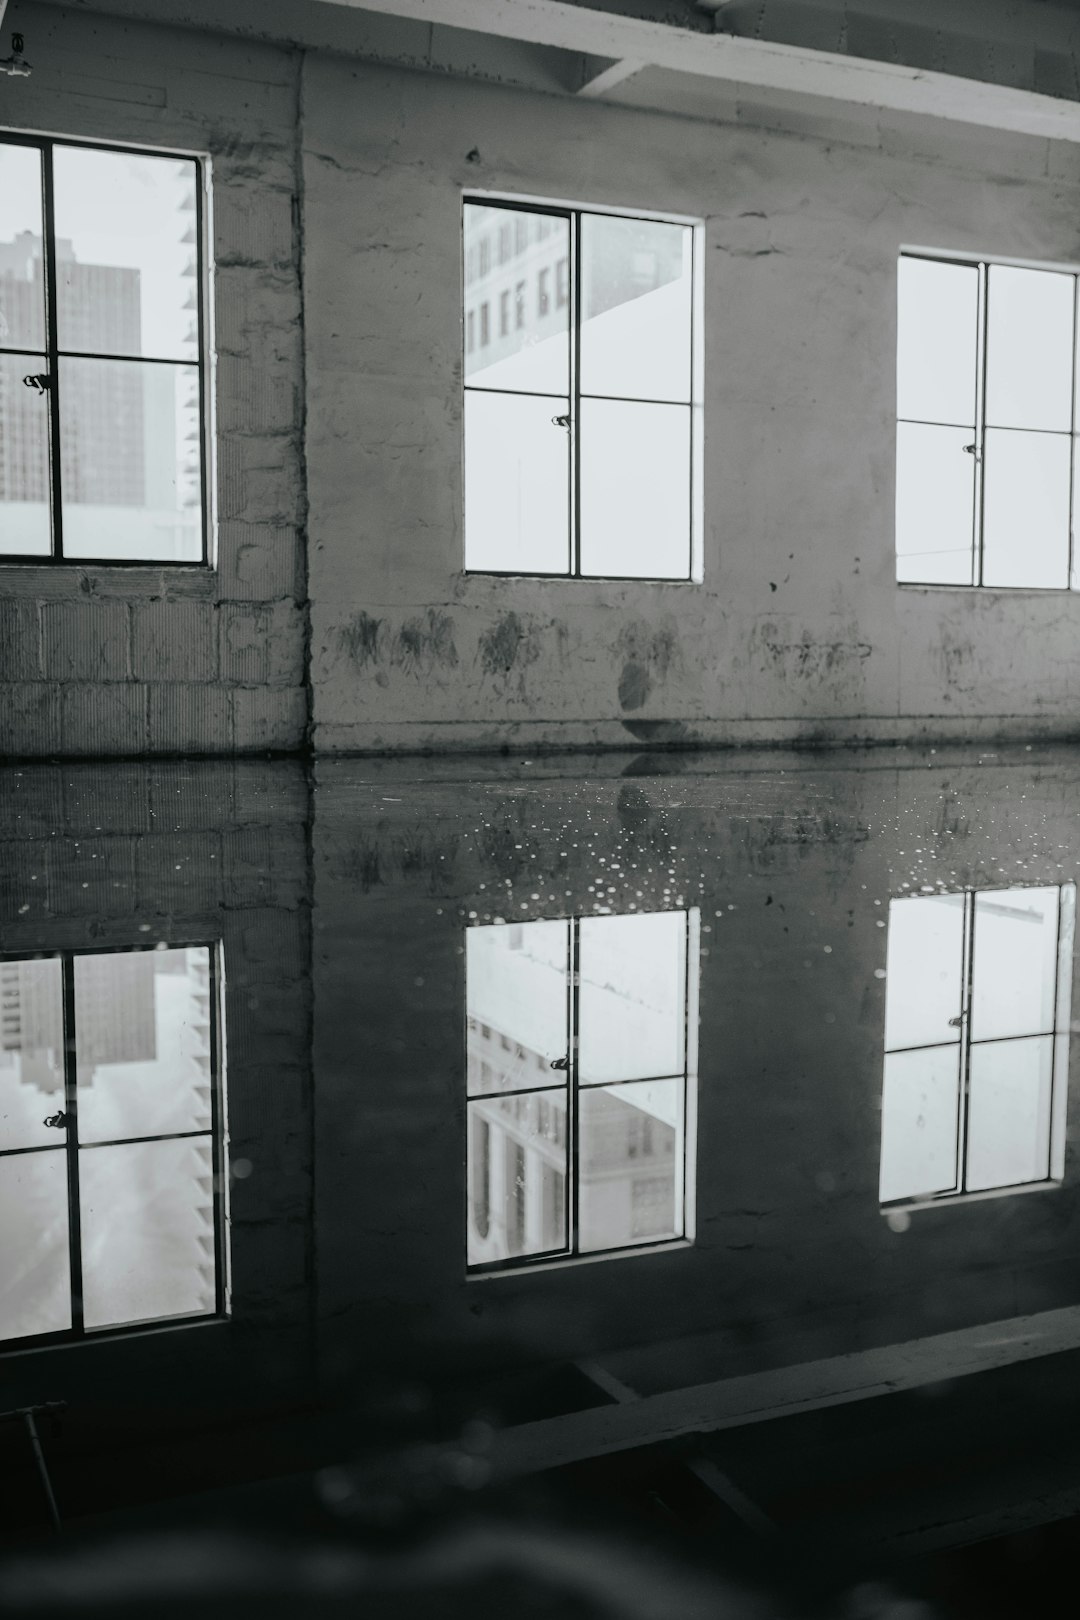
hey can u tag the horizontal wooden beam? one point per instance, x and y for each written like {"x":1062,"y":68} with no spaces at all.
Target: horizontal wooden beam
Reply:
{"x":751,"y":62}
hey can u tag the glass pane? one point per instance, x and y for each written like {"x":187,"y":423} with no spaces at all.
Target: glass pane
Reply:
{"x":1009,"y":1113}
{"x":127,"y":253}
{"x":517,"y":305}
{"x":635,"y":308}
{"x":1026,"y":509}
{"x":25,"y":514}
{"x":147,"y":1231}
{"x":31,"y":1052}
{"x":1029,"y":348}
{"x":517,"y":1176}
{"x":131,"y":461}
{"x":22,"y":276}
{"x":517,"y":988}
{"x":517,"y":485}
{"x":143,"y":1043}
{"x":1014,"y":973}
{"x":630,"y":1162}
{"x":937,"y":341}
{"x":935,"y":505}
{"x":635,"y":489}
{"x":632,"y":1000}
{"x":920,"y":1102}
{"x":924,"y":969}
{"x":35,"y":1289}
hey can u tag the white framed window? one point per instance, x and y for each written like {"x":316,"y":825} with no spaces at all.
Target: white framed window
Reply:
{"x":581,"y":1042}
{"x":103,"y":361}
{"x":977,"y":1011}
{"x":986,"y":423}
{"x":582,"y":423}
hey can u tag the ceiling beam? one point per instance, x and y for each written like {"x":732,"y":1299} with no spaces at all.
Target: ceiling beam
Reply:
{"x":608,"y":78}
{"x":748,"y":62}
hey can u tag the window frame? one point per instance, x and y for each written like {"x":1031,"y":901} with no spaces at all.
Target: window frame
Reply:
{"x":53,"y":354}
{"x":572,"y":214}
{"x":1059,"y":1035}
{"x":78,"y":1333}
{"x":571,"y":1253}
{"x":983,"y":263}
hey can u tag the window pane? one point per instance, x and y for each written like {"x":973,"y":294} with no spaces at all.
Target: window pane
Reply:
{"x":635,"y":489}
{"x":937,"y":341}
{"x":635,"y":308}
{"x":143,"y":1043}
{"x":924,"y":969}
{"x":127,"y":253}
{"x":147,"y":1231}
{"x":632,"y":998}
{"x":1029,"y":348}
{"x":31,"y":1052}
{"x":517,"y":485}
{"x":131,"y":460}
{"x":1014,"y":976}
{"x":920,"y":1101}
{"x":630,"y":1164}
{"x":533,"y":352}
{"x":35,"y":1289}
{"x":517,"y":990}
{"x":22,"y":277}
{"x":517,"y":1176}
{"x":1009,"y":1113}
{"x":1026,"y":509}
{"x":25,"y":514}
{"x":935,"y":505}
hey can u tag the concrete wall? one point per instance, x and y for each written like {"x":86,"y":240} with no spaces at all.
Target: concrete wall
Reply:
{"x":799,"y":630}
{"x":98,"y":660}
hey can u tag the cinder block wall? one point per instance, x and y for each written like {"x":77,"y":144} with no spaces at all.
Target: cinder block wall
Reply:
{"x":104,"y":661}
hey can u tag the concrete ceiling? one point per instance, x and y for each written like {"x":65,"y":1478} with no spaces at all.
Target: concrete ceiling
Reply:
{"x":1010,"y":64}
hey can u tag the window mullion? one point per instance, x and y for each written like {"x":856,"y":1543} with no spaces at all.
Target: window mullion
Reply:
{"x":572,"y":1112}
{"x":1072,"y":436}
{"x":981,"y":345}
{"x":52,"y":348}
{"x":966,"y":992}
{"x":71,"y":1109}
{"x":575,"y":393}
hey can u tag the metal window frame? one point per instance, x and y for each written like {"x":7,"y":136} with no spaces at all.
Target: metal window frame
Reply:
{"x":571,"y":1252}
{"x":53,"y":354}
{"x":983,"y":264}
{"x":573,"y":215}
{"x":78,"y":1333}
{"x":1059,"y":1056}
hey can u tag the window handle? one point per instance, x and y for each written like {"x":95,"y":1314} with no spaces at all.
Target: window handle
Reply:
{"x":560,"y":1063}
{"x":955,"y":1023}
{"x":39,"y":381}
{"x":57,"y":1121}
{"x":972,"y":450}
{"x":560,"y":421}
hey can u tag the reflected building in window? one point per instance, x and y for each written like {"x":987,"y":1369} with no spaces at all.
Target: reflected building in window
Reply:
{"x":976,"y":1043}
{"x":581,"y":1064}
{"x":112,"y":1142}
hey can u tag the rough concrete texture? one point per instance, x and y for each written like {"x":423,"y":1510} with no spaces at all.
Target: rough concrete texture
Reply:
{"x":99,"y":660}
{"x":799,"y":630}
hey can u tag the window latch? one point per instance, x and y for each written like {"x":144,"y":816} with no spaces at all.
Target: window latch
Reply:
{"x":972,"y":450}
{"x":57,"y":1121}
{"x":560,"y":421}
{"x":38,"y":381}
{"x":560,"y":1063}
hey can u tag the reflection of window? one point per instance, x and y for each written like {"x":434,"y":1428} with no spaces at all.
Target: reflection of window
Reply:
{"x":112,"y":1212}
{"x":581,"y":455}
{"x":985,"y":383}
{"x":485,"y":326}
{"x":976,"y":1042}
{"x":581,"y":1054}
{"x":504,"y":313}
{"x":470,"y":332}
{"x":101,"y":307}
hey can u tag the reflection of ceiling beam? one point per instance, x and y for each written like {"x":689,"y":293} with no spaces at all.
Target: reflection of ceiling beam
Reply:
{"x":607,"y":78}
{"x":810,"y":1386}
{"x":747,"y":61}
